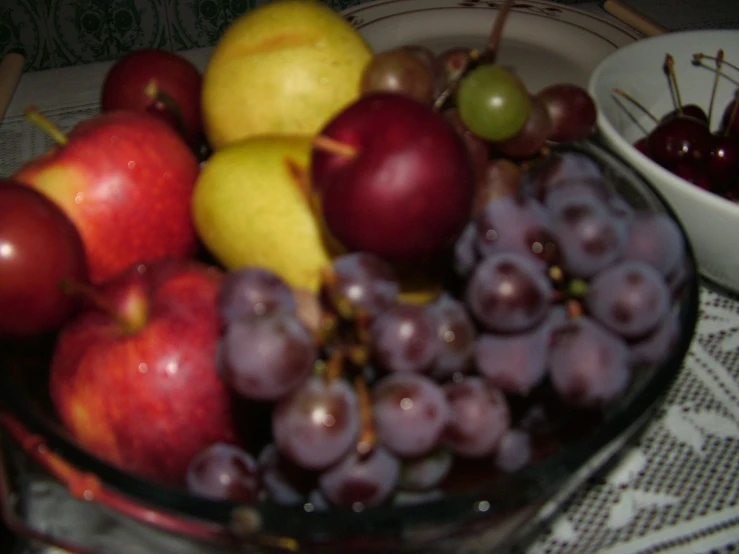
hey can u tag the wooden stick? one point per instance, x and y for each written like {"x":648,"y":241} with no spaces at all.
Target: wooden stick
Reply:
{"x":11,"y":69}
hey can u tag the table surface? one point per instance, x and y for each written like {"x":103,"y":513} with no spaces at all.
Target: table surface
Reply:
{"x":675,"y":491}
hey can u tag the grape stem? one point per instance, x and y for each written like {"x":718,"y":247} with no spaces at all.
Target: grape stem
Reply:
{"x":489,"y":55}
{"x":491,"y":50}
{"x":635,"y":102}
{"x":367,"y":432}
{"x":719,"y":63}
{"x":38,"y":119}
{"x":672,"y":78}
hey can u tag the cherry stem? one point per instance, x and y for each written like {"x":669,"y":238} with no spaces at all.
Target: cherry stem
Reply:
{"x":700,"y":56}
{"x":491,"y":50}
{"x":734,"y":113}
{"x":38,"y":119}
{"x":333,"y":146}
{"x":367,"y":432}
{"x":153,"y":92}
{"x":72,"y":287}
{"x":719,"y":63}
{"x":635,"y":103}
{"x":672,"y":77}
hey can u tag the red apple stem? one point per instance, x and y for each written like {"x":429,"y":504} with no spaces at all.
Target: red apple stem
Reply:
{"x":38,"y":119}
{"x":672,"y":77}
{"x":367,"y":431}
{"x":127,"y":325}
{"x":700,"y":56}
{"x":333,"y":146}
{"x":717,"y":75}
{"x":493,"y":45}
{"x":635,"y":102}
{"x":152,"y":91}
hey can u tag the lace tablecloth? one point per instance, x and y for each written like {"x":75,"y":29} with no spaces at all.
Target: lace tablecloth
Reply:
{"x":674,"y":492}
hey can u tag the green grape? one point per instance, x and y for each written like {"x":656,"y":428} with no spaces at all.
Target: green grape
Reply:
{"x":492,"y":102}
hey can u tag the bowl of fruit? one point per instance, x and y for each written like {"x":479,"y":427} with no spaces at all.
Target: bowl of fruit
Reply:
{"x":416,"y":323}
{"x":668,"y":105}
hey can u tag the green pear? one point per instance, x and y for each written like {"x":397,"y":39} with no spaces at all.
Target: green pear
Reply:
{"x":251,"y":206}
{"x":286,"y":67}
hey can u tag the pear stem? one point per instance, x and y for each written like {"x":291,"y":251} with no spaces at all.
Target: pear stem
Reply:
{"x":38,"y":119}
{"x":670,"y":69}
{"x":333,"y":146}
{"x":635,"y":103}
{"x":716,"y":76}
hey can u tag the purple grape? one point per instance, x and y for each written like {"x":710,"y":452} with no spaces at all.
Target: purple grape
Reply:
{"x":410,"y":412}
{"x":590,"y":237}
{"x":285,"y":482}
{"x":513,"y":363}
{"x":655,"y":238}
{"x":479,"y":417}
{"x":514,"y":451}
{"x":365,"y":281}
{"x":571,"y":190}
{"x":403,"y":338}
{"x":512,"y":224}
{"x":359,"y":481}
{"x":223,"y":472}
{"x":630,"y":298}
{"x":426,"y":472}
{"x":657,"y":346}
{"x":588,"y":365}
{"x":253,"y":291}
{"x":556,"y":170}
{"x":456,"y":335}
{"x":508,"y":293}
{"x":466,"y":255}
{"x":265,"y":358}
{"x":318,"y":423}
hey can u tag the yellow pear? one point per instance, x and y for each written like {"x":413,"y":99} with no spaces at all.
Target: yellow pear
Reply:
{"x":285,"y":67}
{"x":250,"y":207}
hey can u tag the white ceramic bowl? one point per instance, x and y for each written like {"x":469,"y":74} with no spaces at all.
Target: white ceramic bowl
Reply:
{"x":711,"y":222}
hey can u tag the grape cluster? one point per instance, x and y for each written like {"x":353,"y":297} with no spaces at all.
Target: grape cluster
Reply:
{"x":559,"y":286}
{"x":684,"y":142}
{"x":487,"y":101}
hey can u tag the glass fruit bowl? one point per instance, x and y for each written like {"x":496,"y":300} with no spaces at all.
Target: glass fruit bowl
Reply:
{"x":479,"y":509}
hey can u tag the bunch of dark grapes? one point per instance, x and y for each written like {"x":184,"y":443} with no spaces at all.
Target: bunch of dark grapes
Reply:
{"x":560,"y":286}
{"x":684,"y":142}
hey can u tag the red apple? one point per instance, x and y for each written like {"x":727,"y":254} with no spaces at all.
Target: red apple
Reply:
{"x":159,"y":82}
{"x":406,"y":191}
{"x":125,"y":179}
{"x":136,"y":384}
{"x":39,"y":248}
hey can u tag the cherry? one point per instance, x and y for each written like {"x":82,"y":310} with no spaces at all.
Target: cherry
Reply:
{"x":694,"y":175}
{"x":730,"y":119}
{"x":678,"y":141}
{"x":690,"y":110}
{"x":723,"y":162}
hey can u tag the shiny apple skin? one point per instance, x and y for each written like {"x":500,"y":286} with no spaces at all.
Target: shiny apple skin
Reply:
{"x":125,"y":179}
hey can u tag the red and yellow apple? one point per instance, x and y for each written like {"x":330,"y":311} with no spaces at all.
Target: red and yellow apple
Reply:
{"x":125,"y":179}
{"x":136,"y":382}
